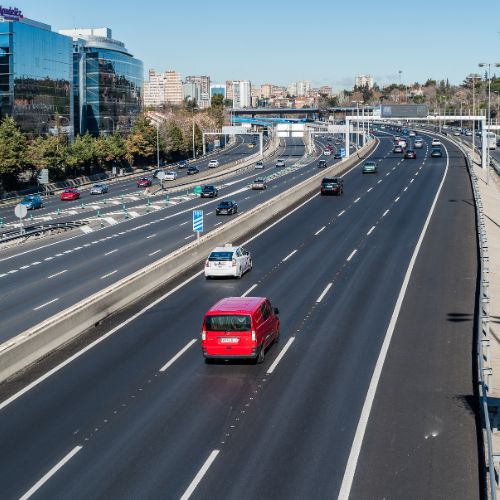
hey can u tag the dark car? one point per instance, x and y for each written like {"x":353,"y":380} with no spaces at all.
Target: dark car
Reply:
{"x":332,"y":185}
{"x":144,"y":182}
{"x":410,"y":154}
{"x":209,"y":192}
{"x":337,"y":156}
{"x":436,"y":153}
{"x":227,"y":207}
{"x":321,"y":163}
{"x":397,"y":149}
{"x":193,"y":170}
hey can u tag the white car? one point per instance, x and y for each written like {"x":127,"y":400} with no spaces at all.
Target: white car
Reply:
{"x":228,"y":260}
{"x":280,"y":162}
{"x":436,"y":142}
{"x":170,"y":176}
{"x":457,"y":132}
{"x":468,"y":132}
{"x":327,"y":152}
{"x":418,"y":144}
{"x":412,"y":133}
{"x":213,"y":163}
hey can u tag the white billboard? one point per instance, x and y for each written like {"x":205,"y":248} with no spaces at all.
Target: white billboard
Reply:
{"x":234,"y":130}
{"x":298,"y":127}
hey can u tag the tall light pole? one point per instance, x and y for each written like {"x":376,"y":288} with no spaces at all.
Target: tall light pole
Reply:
{"x":474,"y":77}
{"x":158,"y":145}
{"x":400,"y":72}
{"x":194,"y":145}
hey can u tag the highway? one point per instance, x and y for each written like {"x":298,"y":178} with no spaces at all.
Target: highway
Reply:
{"x":376,"y":294}
{"x":45,"y":277}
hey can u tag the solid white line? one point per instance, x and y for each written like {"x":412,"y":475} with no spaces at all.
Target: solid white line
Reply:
{"x":356,"y":200}
{"x":370,"y":231}
{"x":57,"y":274}
{"x":178,"y":355}
{"x":51,"y":472}
{"x":345,"y":489}
{"x":280,"y":355}
{"x":320,"y":231}
{"x":45,"y":305}
{"x":354,"y":252}
{"x":341,"y":213}
{"x":385,"y":213}
{"x":154,"y":253}
{"x":250,"y":290}
{"x":289,"y":256}
{"x":196,"y":481}
{"x":108,"y":275}
{"x":325,"y":291}
{"x":189,"y":237}
{"x":112,"y":252}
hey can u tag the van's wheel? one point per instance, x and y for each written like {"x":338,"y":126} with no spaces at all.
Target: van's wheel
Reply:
{"x":262,"y":355}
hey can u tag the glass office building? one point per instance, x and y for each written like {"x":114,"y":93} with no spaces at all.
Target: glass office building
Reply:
{"x":36,"y":73}
{"x":107,"y":82}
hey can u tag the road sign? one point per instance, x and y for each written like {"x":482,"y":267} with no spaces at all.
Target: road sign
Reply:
{"x":234,"y":130}
{"x":21,"y":211}
{"x":198,"y":221}
{"x":198,"y":190}
{"x":161,"y":175}
{"x":404,"y":111}
{"x":43,"y":176}
{"x":217,"y":143}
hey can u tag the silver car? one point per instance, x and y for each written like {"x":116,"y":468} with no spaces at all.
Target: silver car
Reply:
{"x":99,"y":189}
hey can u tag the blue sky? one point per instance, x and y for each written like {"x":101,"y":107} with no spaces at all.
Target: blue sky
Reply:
{"x":325,"y":41}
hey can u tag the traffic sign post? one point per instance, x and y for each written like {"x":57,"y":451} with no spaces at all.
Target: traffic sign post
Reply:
{"x":21,"y":212}
{"x":198,"y":222}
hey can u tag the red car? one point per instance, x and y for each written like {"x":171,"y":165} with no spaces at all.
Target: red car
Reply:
{"x":239,"y":327}
{"x":144,"y":182}
{"x":70,"y":194}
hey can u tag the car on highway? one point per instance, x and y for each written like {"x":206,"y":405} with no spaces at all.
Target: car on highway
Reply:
{"x":327,"y":152}
{"x":468,"y":133}
{"x":192,"y":170}
{"x":228,"y":260}
{"x":412,"y":133}
{"x":259,"y":165}
{"x":183,"y":164}
{"x":170,"y":176}
{"x":209,"y":191}
{"x":322,"y":164}
{"x":156,"y":171}
{"x":259,"y":184}
{"x":370,"y":167}
{"x":144,"y":182}
{"x":32,"y":201}
{"x":337,"y":156}
{"x":397,"y":149}
{"x":70,"y":194}
{"x":418,"y":143}
{"x":226,"y":207}
{"x":332,"y":185}
{"x":280,"y":162}
{"x":436,"y":142}
{"x":213,"y":163}
{"x":100,"y":188}
{"x":239,"y":327}
{"x":410,"y":154}
{"x":436,"y":153}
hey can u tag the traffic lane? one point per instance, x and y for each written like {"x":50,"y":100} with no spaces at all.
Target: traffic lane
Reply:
{"x":190,"y":298}
{"x":422,"y":436}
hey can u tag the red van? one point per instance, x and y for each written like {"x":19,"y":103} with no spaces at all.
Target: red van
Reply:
{"x":240,"y":327}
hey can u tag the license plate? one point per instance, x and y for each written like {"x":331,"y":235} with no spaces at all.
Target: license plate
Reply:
{"x":229,"y":340}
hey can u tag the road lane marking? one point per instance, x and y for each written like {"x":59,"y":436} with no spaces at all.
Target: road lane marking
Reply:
{"x":151,"y":236}
{"x":184,"y":223}
{"x":411,"y":181}
{"x":397,"y":199}
{"x":250,"y":290}
{"x":177,"y":356}
{"x":289,"y":256}
{"x":109,"y":274}
{"x":354,"y":252}
{"x":280,"y":355}
{"x":57,"y":274}
{"x":370,"y":190}
{"x":385,"y":213}
{"x":341,"y":213}
{"x":320,"y":231}
{"x":352,"y":462}
{"x":51,"y":472}
{"x":45,"y":305}
{"x":189,"y":237}
{"x":379,"y":181}
{"x":154,"y":253}
{"x":201,"y":473}
{"x":111,"y":253}
{"x":370,"y":231}
{"x":356,"y":200}
{"x":325,"y":291}
{"x":406,"y":188}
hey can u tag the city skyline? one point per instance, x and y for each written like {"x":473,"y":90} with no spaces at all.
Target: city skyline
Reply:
{"x":230,"y":51}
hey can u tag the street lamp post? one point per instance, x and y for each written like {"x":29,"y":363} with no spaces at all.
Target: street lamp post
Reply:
{"x":157,"y":145}
{"x":194,"y":145}
{"x":474,"y":77}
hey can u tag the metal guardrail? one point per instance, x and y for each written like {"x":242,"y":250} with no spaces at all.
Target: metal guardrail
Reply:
{"x":16,"y":234}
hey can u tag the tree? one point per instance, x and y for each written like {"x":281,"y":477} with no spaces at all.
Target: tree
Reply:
{"x":190,"y":105}
{"x":173,"y":139}
{"x":48,"y":152}
{"x":217,"y":100}
{"x":80,"y":155}
{"x":12,"y":152}
{"x":141,"y":143}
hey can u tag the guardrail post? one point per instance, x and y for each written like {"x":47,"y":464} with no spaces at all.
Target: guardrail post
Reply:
{"x":488,"y":377}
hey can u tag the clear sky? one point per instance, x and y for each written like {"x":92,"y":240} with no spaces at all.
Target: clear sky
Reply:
{"x":276,"y":41}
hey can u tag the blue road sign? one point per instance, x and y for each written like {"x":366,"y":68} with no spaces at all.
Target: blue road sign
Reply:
{"x":342,"y":152}
{"x":198,"y":221}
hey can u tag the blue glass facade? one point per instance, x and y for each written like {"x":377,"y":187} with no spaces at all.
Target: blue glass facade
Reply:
{"x":107,"y":88}
{"x":36,"y":73}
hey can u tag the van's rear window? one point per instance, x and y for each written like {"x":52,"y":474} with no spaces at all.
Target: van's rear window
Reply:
{"x":228,"y":323}
{"x":216,"y":256}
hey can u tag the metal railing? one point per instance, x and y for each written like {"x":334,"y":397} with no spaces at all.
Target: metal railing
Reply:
{"x":16,"y":234}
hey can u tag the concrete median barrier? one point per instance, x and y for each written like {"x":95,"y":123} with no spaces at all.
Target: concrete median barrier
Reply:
{"x":54,"y":332}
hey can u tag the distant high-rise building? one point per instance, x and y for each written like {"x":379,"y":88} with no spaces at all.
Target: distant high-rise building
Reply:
{"x":242,"y":94}
{"x":303,"y":88}
{"x":267,"y":90}
{"x":325,"y":90}
{"x":218,"y":89}
{"x":154,"y":89}
{"x":203,"y":83}
{"x":292,"y":89}
{"x":191,"y":91}
{"x":229,"y":90}
{"x":173,"y":88}
{"x":364,"y":80}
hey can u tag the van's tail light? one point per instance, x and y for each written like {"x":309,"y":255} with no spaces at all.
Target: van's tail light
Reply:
{"x":234,"y":262}
{"x":207,"y":264}
{"x":203,"y":335}
{"x":254,"y":336}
